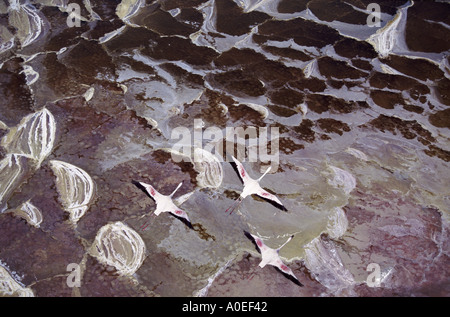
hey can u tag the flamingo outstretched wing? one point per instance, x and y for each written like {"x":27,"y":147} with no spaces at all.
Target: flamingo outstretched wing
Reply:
{"x":150,"y":190}
{"x":257,"y":240}
{"x":266,"y":195}
{"x":242,"y":172}
{"x":284,"y":268}
{"x":174,"y":210}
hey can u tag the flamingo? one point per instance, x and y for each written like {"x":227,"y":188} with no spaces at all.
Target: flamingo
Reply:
{"x":251,"y":186}
{"x":270,"y":256}
{"x":164,"y":203}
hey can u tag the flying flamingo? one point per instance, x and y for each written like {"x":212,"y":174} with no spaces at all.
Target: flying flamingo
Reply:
{"x":164,"y":203}
{"x":251,"y":186}
{"x":270,"y":256}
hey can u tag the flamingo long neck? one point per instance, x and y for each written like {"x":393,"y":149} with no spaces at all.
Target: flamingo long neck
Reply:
{"x":179,"y":185}
{"x":290,"y":238}
{"x":267,"y":171}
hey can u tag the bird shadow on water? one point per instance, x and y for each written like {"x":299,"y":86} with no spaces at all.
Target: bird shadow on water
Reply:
{"x":293,"y":280}
{"x":187,"y":223}
{"x":249,"y":236}
{"x":141,"y":187}
{"x":273,"y":203}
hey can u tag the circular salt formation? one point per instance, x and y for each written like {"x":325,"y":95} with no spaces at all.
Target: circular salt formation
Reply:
{"x":75,"y":188}
{"x":209,"y":168}
{"x":342,"y":179}
{"x":10,"y":287}
{"x":128,"y":8}
{"x":337,"y":223}
{"x":30,"y":213}
{"x":119,"y":246}
{"x":33,"y":137}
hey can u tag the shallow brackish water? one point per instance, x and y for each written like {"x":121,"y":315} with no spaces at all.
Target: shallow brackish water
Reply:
{"x":363,"y":163}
